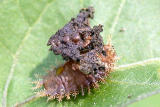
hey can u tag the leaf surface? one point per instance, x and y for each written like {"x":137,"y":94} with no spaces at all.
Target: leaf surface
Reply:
{"x":26,"y":25}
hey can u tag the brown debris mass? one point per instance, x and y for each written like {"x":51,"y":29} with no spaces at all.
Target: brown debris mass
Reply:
{"x":77,"y":40}
{"x":88,"y":60}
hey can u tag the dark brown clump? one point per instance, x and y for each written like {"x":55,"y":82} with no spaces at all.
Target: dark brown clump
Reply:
{"x":67,"y":79}
{"x":88,"y":60}
{"x":77,"y":39}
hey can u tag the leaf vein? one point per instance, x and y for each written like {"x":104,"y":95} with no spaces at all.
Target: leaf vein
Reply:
{"x":20,"y":10}
{"x":112,"y":81}
{"x":134,"y":83}
{"x":15,"y":57}
{"x":140,"y":63}
{"x":117,"y":17}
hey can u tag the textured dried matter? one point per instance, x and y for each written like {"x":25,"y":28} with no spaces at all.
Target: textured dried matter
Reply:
{"x":88,"y":60}
{"x":76,"y":40}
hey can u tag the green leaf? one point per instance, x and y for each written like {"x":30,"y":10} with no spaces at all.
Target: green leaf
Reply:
{"x":152,"y":100}
{"x":123,"y":86}
{"x":26,"y":25}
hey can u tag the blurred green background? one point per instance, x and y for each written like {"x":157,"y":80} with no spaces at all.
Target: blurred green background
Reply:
{"x":26,"y":25}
